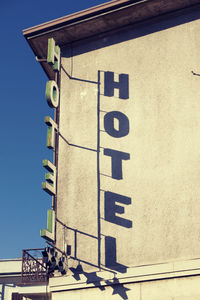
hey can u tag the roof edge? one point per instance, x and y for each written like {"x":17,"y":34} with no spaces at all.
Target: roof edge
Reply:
{"x":98,"y":20}
{"x":80,"y":16}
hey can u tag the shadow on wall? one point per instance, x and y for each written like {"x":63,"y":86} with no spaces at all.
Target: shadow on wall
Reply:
{"x":113,"y":203}
{"x":110,"y":261}
{"x":3,"y":290}
{"x":98,"y":282}
{"x":2,"y":293}
{"x":134,"y":31}
{"x":110,"y":251}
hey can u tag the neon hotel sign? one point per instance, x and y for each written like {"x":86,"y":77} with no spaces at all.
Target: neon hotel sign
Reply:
{"x":110,"y":120}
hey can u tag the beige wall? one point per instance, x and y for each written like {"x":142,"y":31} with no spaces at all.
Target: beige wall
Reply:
{"x":162,"y":175}
{"x":174,"y":289}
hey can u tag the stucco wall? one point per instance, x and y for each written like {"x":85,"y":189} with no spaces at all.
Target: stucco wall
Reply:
{"x":161,"y":178}
{"x":173,"y":289}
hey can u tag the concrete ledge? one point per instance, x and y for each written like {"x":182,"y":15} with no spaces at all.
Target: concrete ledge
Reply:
{"x":134,"y":274}
{"x":10,"y":266}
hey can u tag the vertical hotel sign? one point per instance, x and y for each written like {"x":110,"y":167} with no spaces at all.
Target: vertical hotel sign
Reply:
{"x":52,"y":96}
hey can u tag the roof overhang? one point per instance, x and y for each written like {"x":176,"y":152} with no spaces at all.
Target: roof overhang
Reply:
{"x":96,"y":20}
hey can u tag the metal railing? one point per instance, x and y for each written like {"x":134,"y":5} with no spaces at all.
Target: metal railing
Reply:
{"x":33,"y":269}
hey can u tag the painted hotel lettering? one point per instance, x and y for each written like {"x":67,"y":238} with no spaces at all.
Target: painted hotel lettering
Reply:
{"x":116,"y":124}
{"x":52,"y":96}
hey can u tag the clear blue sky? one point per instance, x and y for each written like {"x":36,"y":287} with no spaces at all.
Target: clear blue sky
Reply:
{"x":23,"y":132}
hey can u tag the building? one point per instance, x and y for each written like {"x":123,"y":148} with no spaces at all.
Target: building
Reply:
{"x":10,"y":275}
{"x":12,"y":284}
{"x":124,"y":83}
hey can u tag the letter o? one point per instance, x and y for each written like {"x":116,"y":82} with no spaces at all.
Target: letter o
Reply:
{"x":123,"y":124}
{"x":52,"y":94}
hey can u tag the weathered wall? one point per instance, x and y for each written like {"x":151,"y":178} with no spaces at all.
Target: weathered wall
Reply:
{"x":161,"y":178}
{"x":174,"y":289}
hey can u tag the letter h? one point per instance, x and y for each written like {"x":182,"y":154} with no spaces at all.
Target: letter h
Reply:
{"x":122,"y":85}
